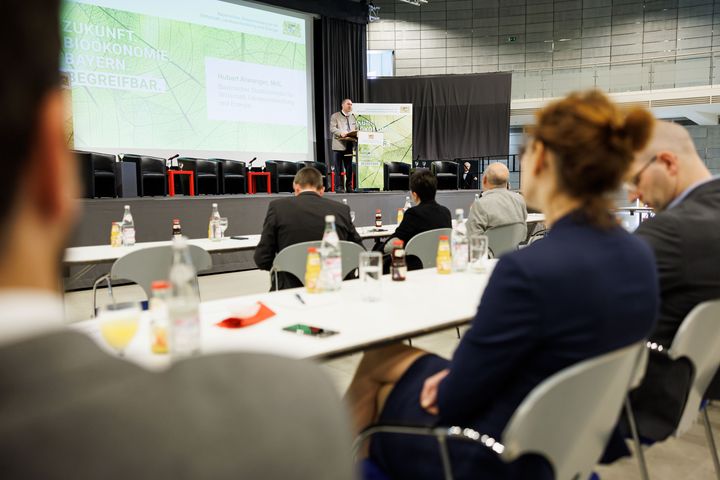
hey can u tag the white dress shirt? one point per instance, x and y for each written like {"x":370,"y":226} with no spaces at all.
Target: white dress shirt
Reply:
{"x":29,"y":313}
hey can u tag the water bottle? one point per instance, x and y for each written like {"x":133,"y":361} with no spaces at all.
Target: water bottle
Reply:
{"x":331,"y":258}
{"x":460,"y":244}
{"x":214,"y":224}
{"x":128,"y":228}
{"x":407,"y":204}
{"x":477,"y":197}
{"x":183,"y":304}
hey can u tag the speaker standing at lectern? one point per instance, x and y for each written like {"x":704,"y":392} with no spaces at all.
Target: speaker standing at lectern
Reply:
{"x":341,"y":124}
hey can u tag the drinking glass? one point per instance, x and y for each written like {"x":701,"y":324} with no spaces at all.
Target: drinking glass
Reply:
{"x":478,"y":253}
{"x":223,"y":226}
{"x":352,"y":216}
{"x":118,"y":324}
{"x":371,"y":275}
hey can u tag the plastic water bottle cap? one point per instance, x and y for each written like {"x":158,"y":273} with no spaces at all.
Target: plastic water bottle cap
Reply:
{"x":329,"y":218}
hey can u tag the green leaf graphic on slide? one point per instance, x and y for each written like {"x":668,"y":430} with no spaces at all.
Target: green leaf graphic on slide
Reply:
{"x":178,"y":117}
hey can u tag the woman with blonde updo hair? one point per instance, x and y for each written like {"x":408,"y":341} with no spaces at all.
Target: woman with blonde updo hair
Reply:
{"x":586,"y":289}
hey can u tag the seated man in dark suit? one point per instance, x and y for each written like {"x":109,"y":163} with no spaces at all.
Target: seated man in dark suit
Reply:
{"x":669,"y":176}
{"x":93,"y":415}
{"x":300,"y":219}
{"x":468,"y":179}
{"x":426,"y":215}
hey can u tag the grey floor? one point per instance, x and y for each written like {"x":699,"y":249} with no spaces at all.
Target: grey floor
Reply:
{"x":685,"y":458}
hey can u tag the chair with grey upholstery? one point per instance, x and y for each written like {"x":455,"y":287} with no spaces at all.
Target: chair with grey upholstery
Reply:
{"x":146,"y":265}
{"x":567,"y":419}
{"x":282,"y":174}
{"x":424,"y":246}
{"x":698,"y":342}
{"x":505,"y":238}
{"x":293,"y":259}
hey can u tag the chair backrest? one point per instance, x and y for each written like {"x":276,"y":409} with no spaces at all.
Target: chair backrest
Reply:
{"x":398,"y":167}
{"x":152,"y":164}
{"x":568,"y":418}
{"x":698,"y":340}
{"x":505,"y":238}
{"x":293,"y":259}
{"x":147,"y":265}
{"x":103,"y":162}
{"x":424,"y":246}
{"x":283,"y":167}
{"x":206,"y":166}
{"x":231,"y":167}
{"x":443,"y":166}
{"x":321,"y":167}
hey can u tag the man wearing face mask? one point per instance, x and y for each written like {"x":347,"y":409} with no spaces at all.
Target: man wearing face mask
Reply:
{"x":341,"y":124}
{"x":669,"y":176}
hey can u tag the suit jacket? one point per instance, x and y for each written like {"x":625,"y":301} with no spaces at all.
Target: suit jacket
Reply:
{"x":222,"y":417}
{"x":340,"y":124}
{"x":468,"y":181}
{"x":299,"y":219}
{"x":546,"y":307}
{"x":684,"y":239}
{"x":425,"y":216}
{"x":496,"y":207}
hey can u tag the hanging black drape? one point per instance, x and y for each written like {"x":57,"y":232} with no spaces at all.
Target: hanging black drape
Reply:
{"x":340,"y":72}
{"x":454,"y":116}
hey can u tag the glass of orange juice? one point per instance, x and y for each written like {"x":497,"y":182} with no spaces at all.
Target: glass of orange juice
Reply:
{"x":118,"y":324}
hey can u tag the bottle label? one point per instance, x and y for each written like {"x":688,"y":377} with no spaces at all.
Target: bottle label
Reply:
{"x":128,"y":236}
{"x":331,"y":273}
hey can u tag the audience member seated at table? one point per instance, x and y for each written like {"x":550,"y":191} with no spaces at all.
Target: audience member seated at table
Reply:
{"x":426,"y":215}
{"x":300,"y":219}
{"x":669,"y":176}
{"x":497,"y":206}
{"x":69,"y":410}
{"x":587,"y":289}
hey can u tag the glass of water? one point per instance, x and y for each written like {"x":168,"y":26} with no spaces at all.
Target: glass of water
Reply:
{"x":478,"y":253}
{"x":223,"y":224}
{"x":371,"y":275}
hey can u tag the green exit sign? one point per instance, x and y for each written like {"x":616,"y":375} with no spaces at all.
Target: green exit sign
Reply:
{"x":512,"y":39}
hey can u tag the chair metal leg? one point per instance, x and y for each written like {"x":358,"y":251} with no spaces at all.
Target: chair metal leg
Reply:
{"x":711,"y":441}
{"x":445,"y":456}
{"x":94,"y":291}
{"x":636,"y":440}
{"x":457,"y":329}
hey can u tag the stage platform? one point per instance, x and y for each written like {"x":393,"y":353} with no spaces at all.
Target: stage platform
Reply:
{"x":153,"y":221}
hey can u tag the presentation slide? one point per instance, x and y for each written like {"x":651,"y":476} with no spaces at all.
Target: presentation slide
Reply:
{"x":202,"y":78}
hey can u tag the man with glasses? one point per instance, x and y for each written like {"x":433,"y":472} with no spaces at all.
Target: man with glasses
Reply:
{"x":669,"y":176}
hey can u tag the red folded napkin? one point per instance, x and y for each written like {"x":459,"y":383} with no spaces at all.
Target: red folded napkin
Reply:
{"x":263,"y":313}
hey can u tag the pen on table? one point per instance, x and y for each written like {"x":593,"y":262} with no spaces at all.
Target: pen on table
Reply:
{"x":297,"y":295}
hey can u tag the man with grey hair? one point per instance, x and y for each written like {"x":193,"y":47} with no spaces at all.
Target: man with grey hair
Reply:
{"x":669,"y":176}
{"x":342,"y":123}
{"x":497,"y":206}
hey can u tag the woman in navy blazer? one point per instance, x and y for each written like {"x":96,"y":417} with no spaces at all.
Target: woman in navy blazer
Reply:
{"x":586,"y":289}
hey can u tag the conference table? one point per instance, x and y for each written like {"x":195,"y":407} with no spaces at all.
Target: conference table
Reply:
{"x":95,"y":254}
{"x":405,"y":310}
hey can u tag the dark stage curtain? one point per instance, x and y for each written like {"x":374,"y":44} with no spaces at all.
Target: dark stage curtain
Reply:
{"x":340,"y":72}
{"x":454,"y":116}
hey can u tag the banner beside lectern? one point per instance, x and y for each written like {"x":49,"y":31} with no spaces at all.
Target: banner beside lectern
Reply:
{"x":384,"y":135}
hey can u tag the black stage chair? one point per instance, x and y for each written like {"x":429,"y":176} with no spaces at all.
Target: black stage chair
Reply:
{"x":321,"y":167}
{"x":98,"y":173}
{"x":447,"y":173}
{"x":396,"y":176}
{"x":282,"y":174}
{"x":233,"y":176}
{"x":151,"y":174}
{"x":206,"y":174}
